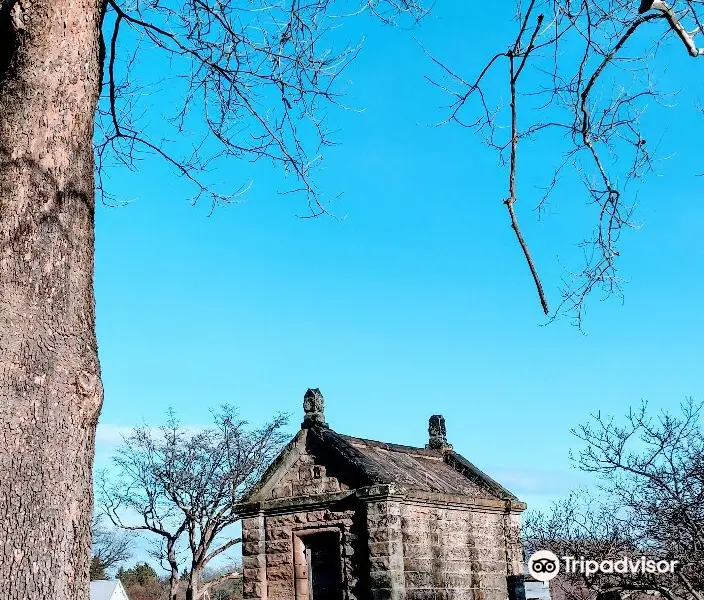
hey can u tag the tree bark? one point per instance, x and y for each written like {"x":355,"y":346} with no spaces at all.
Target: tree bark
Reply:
{"x":192,"y":588}
{"x":50,"y":389}
{"x":173,"y":576}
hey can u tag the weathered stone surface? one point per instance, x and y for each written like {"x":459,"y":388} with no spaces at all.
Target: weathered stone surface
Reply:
{"x":280,"y":590}
{"x":454,"y":553}
{"x":279,"y":546}
{"x":388,"y":594}
{"x":278,"y":533}
{"x":313,"y":409}
{"x":279,"y":559}
{"x":279,"y":573}
{"x":254,"y":558}
{"x":252,"y":534}
{"x":250,"y":573}
{"x":437,"y":433}
{"x":285,"y":490}
{"x":331,"y":485}
{"x":377,"y":563}
{"x":249,"y":548}
{"x":387,"y":578}
{"x":253,"y":589}
{"x":385,"y":548}
{"x":254,"y":562}
{"x":306,"y":478}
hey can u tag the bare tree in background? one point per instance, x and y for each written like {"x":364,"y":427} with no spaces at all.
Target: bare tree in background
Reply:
{"x":255,"y":75}
{"x":184,"y":486}
{"x":111,"y":547}
{"x":578,"y":76}
{"x":650,"y":502}
{"x":224,"y":590}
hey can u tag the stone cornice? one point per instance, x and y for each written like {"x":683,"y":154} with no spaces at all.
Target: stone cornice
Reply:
{"x":381,"y":492}
{"x":294,"y":504}
{"x":465,"y":502}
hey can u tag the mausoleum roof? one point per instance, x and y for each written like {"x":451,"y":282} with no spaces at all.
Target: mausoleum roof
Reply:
{"x":440,"y":470}
{"x":435,"y":470}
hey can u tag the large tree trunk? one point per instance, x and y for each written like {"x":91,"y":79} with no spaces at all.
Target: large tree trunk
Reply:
{"x":50,"y":390}
{"x":192,"y":588}
{"x":173,"y":576}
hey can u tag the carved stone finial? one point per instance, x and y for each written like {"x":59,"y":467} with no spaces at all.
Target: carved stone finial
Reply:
{"x":313,"y":409}
{"x":437,"y":433}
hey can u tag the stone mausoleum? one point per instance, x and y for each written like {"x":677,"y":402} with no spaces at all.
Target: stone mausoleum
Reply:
{"x":343,"y":518}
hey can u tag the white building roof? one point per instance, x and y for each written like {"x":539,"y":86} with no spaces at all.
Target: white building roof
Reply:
{"x":107,"y":590}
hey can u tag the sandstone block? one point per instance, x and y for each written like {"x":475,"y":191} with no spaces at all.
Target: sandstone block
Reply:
{"x":280,"y":590}
{"x":253,"y":589}
{"x":306,"y":459}
{"x":279,"y":573}
{"x":301,"y":586}
{"x":283,"y":491}
{"x":331,"y":485}
{"x":283,"y":558}
{"x":276,"y":546}
{"x":384,"y":547}
{"x":280,"y":520}
{"x":278,"y":533}
{"x":316,"y":515}
{"x":257,"y":561}
{"x":249,"y":548}
{"x":386,"y":578}
{"x":388,"y":594}
{"x":252,"y":534}
{"x":250,"y":523}
{"x":300,"y":571}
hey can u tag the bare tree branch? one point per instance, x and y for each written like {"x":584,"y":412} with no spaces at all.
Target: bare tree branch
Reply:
{"x":110,"y":548}
{"x":581,"y":72}
{"x":259,"y":75}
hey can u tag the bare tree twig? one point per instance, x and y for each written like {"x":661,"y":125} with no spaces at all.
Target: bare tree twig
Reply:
{"x":589,"y":80}
{"x":260,"y":76}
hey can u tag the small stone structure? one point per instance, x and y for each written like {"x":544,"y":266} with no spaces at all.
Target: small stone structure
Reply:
{"x":342,"y":518}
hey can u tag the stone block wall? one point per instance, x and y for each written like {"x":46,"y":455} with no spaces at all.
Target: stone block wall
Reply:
{"x":385,"y":546}
{"x":389,"y":550}
{"x":272,"y":569}
{"x":455,"y":553}
{"x":306,"y":478}
{"x":254,"y":558}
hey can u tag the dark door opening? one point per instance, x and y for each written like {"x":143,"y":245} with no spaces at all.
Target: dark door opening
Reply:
{"x":324,"y":566}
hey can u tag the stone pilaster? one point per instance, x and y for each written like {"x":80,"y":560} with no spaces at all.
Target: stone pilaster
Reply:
{"x":385,"y":550}
{"x":514,"y":548}
{"x":254,"y":558}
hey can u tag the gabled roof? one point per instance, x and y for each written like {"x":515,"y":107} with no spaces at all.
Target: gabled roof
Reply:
{"x":441,"y":471}
{"x":107,"y":590}
{"x":370,"y":462}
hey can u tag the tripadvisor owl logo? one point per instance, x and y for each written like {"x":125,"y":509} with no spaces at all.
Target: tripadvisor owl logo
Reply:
{"x":543,"y":565}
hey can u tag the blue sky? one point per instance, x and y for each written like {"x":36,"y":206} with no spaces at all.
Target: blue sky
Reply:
{"x":418,"y":301}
